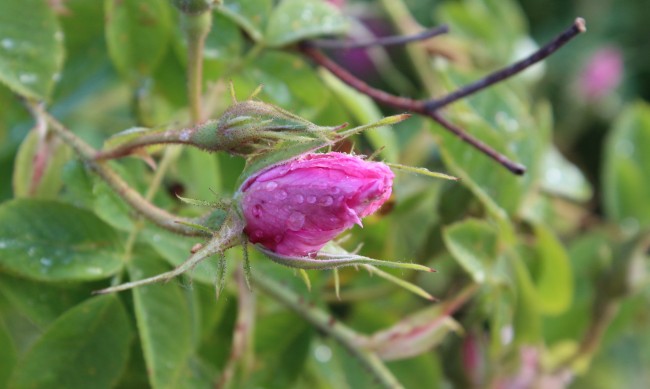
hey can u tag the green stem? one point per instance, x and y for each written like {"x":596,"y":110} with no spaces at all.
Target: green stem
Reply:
{"x":348,"y":338}
{"x":158,"y":216}
{"x":196,"y":29}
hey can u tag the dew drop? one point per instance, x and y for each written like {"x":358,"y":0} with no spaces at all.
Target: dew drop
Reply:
{"x":334,"y":220}
{"x":311,"y":199}
{"x":326,"y":201}
{"x":280,"y":195}
{"x":184,"y":136}
{"x":258,"y":234}
{"x":271,"y":185}
{"x":296,"y":221}
{"x":298,"y":199}
{"x":336,"y":190}
{"x":278,"y":238}
{"x":27,"y":78}
{"x":7,"y":43}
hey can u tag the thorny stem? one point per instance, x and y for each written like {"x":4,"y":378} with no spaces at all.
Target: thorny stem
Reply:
{"x":428,"y":108}
{"x":384,"y":41}
{"x":226,"y":238}
{"x":158,"y":216}
{"x":345,"y":336}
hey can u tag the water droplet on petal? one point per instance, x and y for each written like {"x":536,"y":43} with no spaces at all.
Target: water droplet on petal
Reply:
{"x":278,"y":238}
{"x":271,"y":185}
{"x":258,"y":234}
{"x":298,"y":199}
{"x":296,"y":221}
{"x":311,"y":199}
{"x":327,"y":201}
{"x":280,"y":195}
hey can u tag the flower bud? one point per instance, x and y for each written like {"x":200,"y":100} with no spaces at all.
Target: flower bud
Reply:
{"x":295,"y":208}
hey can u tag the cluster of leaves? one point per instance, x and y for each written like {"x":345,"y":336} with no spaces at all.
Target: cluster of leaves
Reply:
{"x":548,"y":269}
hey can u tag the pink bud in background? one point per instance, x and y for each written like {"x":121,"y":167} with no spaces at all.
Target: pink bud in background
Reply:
{"x":602,"y":73}
{"x":295,"y":208}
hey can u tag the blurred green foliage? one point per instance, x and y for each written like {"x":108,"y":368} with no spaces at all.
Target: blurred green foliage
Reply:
{"x":558,"y":257}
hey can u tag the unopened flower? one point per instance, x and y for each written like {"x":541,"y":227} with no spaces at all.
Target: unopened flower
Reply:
{"x":295,"y":208}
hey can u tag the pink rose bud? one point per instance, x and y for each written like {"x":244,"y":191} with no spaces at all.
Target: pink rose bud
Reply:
{"x":295,"y":208}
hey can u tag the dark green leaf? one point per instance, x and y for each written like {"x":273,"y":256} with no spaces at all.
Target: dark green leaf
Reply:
{"x":7,"y":355}
{"x":294,"y":20}
{"x":165,"y":326}
{"x":137,"y":33}
{"x":87,"y":344}
{"x":53,"y":241}
{"x":31,"y":47}
{"x":42,"y":303}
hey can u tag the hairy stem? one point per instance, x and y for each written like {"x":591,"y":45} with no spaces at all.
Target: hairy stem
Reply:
{"x":345,"y":336}
{"x":87,"y":153}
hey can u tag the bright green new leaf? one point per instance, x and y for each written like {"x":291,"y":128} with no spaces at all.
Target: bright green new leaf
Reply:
{"x":31,"y":47}
{"x":54,"y":241}
{"x":88,"y":345}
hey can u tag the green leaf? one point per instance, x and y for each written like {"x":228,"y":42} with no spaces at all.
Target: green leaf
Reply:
{"x":89,"y":343}
{"x":51,"y":155}
{"x":526,"y":320}
{"x":561,"y":177}
{"x":289,"y":82}
{"x":554,"y":281}
{"x":7,"y":355}
{"x":502,"y":119}
{"x":165,"y":326}
{"x":53,"y":241}
{"x":473,"y":243}
{"x":31,"y":47}
{"x":42,"y":303}
{"x":295,"y":20}
{"x":137,"y":33}
{"x":250,"y":15}
{"x":283,"y":343}
{"x":626,"y":180}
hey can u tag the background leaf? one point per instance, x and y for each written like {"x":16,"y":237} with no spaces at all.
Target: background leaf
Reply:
{"x":31,"y":47}
{"x":137,"y":33}
{"x":626,"y":174}
{"x":294,"y":20}
{"x":52,"y":241}
{"x":165,"y":327}
{"x":87,"y":344}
